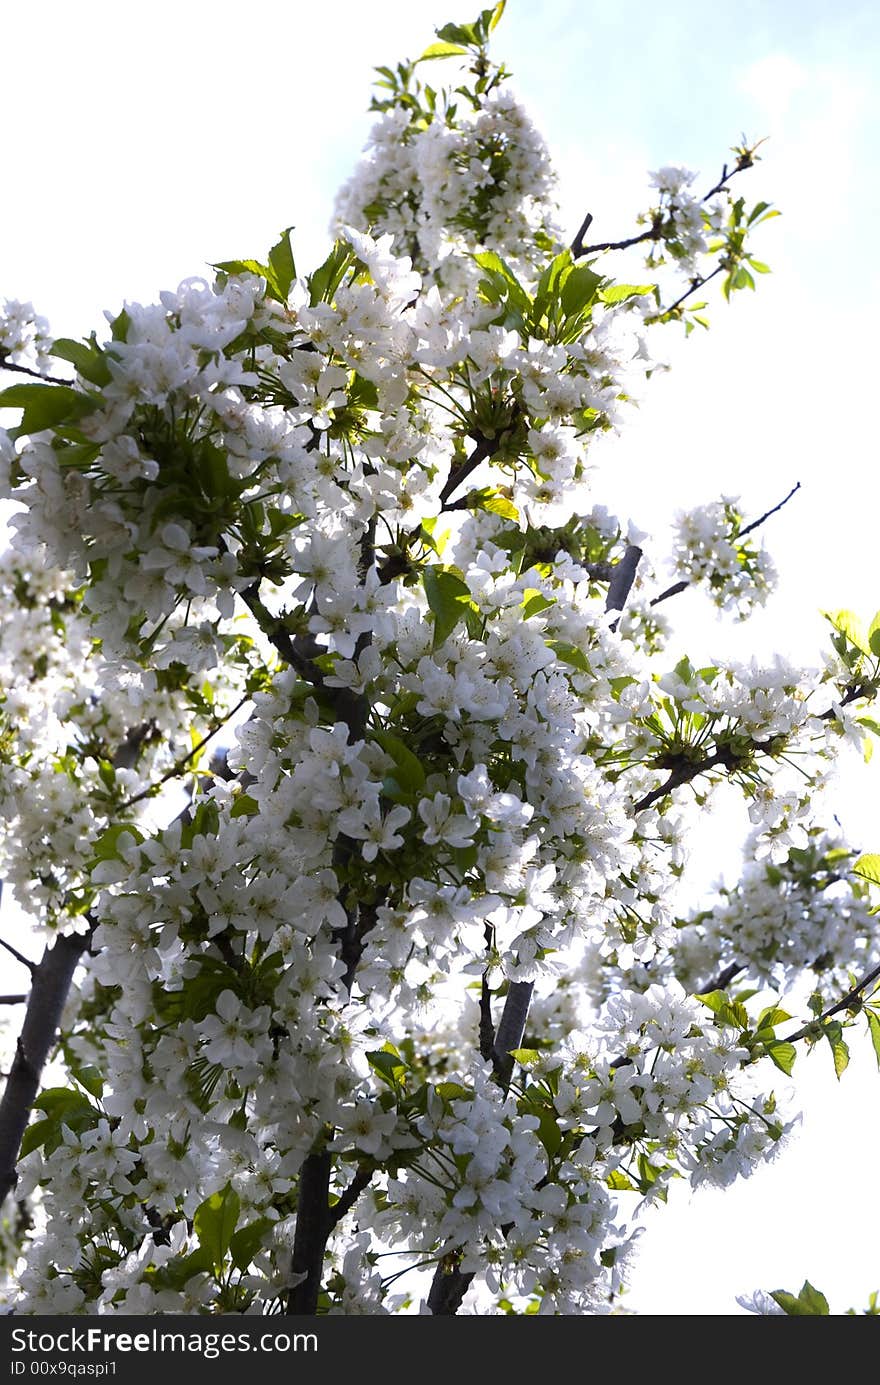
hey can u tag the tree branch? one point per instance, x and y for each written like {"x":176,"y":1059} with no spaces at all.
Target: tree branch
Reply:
{"x":51,"y":983}
{"x":723,"y":979}
{"x":684,"y":584}
{"x":756,"y":522}
{"x":483,"y":449}
{"x":844,"y":1004}
{"x":359,"y":1182}
{"x":313,"y":1228}
{"x":180,"y":765}
{"x":6,"y":364}
{"x":695,"y":284}
{"x":578,"y":249}
{"x":511,"y":1029}
{"x":31,"y":966}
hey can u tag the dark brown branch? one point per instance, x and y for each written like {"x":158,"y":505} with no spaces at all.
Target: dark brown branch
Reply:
{"x":487,"y":1028}
{"x":578,"y":249}
{"x":577,"y":245}
{"x":723,"y":979}
{"x":12,"y":999}
{"x":359,"y":1182}
{"x":6,"y":364}
{"x":180,"y":765}
{"x":315,"y":1220}
{"x":31,"y":966}
{"x":744,"y":161}
{"x":511,"y":1029}
{"x":671,"y":591}
{"x":677,"y":778}
{"x":483,"y":449}
{"x":654,"y":232}
{"x":695,"y":284}
{"x":448,"y":1287}
{"x":755,"y":522}
{"x":813,"y":1028}
{"x":623,"y":574}
{"x":684,"y":584}
{"x":51,"y":983}
{"x":313,"y":1228}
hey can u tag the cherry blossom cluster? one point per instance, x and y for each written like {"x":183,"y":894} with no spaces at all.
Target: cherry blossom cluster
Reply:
{"x":358,"y":507}
{"x":710,"y":547}
{"x":24,"y":337}
{"x":805,"y":913}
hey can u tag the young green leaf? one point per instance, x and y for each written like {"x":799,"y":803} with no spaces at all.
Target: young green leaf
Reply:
{"x":808,"y":1303}
{"x":215,"y":1220}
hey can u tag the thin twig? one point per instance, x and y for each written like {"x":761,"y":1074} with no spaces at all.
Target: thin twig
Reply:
{"x":694,"y":285}
{"x":35,"y":374}
{"x":755,"y":522}
{"x":31,"y":966}
{"x":12,"y":999}
{"x":685,"y":583}
{"x":180,"y":765}
{"x":844,"y":1004}
{"x":359,"y":1182}
{"x":578,"y":249}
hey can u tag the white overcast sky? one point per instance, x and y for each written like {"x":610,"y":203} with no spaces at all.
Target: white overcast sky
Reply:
{"x":142,"y":142}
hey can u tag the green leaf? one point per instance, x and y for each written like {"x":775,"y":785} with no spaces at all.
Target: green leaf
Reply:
{"x":505,"y":279}
{"x":619,"y":1183}
{"x":326,"y":279}
{"x":868,"y":867}
{"x":783,"y":1055}
{"x":452,"y":1091}
{"x":570,"y":654}
{"x":387,"y":1063}
{"x":849,"y":624}
{"x":874,"y":1030}
{"x":36,"y":1134}
{"x":244,"y":806}
{"x":408,"y":768}
{"x":215,"y":1221}
{"x":248,"y":1241}
{"x":772,"y":1015}
{"x":86,"y":356}
{"x":490,"y":499}
{"x":808,"y":1303}
{"x":243,"y":267}
{"x":526,"y":1057}
{"x":833,"y":1032}
{"x":725,"y":1010}
{"x":119,"y":326}
{"x":620,"y":293}
{"x":874,"y":634}
{"x":457,"y":33}
{"x":442,"y":50}
{"x":534,"y":602}
{"x":580,"y":288}
{"x":89,"y":1076}
{"x":176,"y":1273}
{"x":282,"y":265}
{"x":110,"y":845}
{"x":449,"y":599}
{"x":46,"y":406}
{"x":495,"y":15}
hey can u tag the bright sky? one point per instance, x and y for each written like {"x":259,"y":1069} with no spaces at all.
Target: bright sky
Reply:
{"x":143,"y":142}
